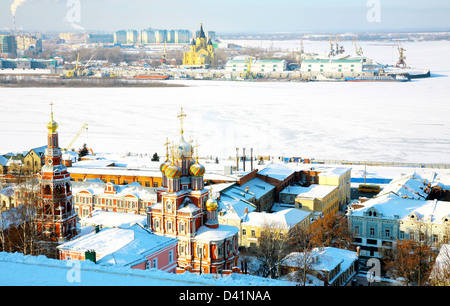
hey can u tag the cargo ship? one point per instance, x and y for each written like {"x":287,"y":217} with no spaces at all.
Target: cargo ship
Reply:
{"x":378,"y":78}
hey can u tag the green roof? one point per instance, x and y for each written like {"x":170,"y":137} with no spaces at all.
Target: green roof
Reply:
{"x":255,"y":60}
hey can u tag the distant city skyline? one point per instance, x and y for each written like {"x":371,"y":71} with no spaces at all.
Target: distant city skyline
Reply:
{"x":228,"y":16}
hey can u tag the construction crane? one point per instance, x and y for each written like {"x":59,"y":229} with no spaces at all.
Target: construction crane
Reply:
{"x":76,"y":136}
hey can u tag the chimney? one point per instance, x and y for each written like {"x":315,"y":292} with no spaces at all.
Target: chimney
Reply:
{"x":243,"y":157}
{"x":246,"y":210}
{"x":251,"y":159}
{"x":237,"y":159}
{"x":358,"y":249}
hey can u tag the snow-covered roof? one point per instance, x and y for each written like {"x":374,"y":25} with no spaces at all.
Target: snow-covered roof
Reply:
{"x":257,"y":187}
{"x":233,"y":208}
{"x":391,"y":206}
{"x":113,"y":219}
{"x":207,"y":234}
{"x":314,"y":191}
{"x":412,"y":186}
{"x":323,"y":259}
{"x":442,"y":181}
{"x":119,"y":246}
{"x":277,"y":171}
{"x":282,"y":219}
{"x":24,"y":270}
{"x":96,"y":188}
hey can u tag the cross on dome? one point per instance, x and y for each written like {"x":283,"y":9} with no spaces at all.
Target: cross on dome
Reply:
{"x":181,"y":116}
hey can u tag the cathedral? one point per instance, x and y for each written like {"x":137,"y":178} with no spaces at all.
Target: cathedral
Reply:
{"x":55,"y":216}
{"x":201,"y":52}
{"x":186,"y":210}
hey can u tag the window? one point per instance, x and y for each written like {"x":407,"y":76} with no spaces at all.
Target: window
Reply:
{"x":155,"y":263}
{"x":244,"y":232}
{"x":253,"y":233}
{"x":170,"y":256}
{"x":387,"y":233}
{"x":182,"y":227}
{"x":357,"y":230}
{"x":372,"y":231}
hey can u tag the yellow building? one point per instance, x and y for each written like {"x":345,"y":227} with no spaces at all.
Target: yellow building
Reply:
{"x":317,"y":199}
{"x":34,"y":160}
{"x":201,"y":52}
{"x":281,"y":222}
{"x":340,"y":177}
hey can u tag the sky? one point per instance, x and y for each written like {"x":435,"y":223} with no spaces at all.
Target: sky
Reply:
{"x":229,"y":16}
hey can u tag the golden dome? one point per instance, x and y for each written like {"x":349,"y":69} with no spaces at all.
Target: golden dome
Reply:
{"x":211,"y":204}
{"x":52,"y":126}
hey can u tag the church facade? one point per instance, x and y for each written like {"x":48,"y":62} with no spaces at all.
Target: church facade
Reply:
{"x":186,"y":210}
{"x":201,"y":53}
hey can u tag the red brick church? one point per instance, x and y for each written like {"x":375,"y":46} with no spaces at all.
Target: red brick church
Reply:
{"x":186,"y":211}
{"x":55,"y":216}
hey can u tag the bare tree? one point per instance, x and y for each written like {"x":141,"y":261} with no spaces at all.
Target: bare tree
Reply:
{"x":273,"y":246}
{"x":302,"y":244}
{"x":440,"y":274}
{"x":28,"y":193}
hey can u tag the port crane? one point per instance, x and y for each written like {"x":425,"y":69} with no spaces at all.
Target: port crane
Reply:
{"x":401,"y":60}
{"x":358,"y":50}
{"x":78,"y":70}
{"x":248,"y":74}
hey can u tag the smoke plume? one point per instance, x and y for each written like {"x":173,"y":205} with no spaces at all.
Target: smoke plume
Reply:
{"x":15,"y":5}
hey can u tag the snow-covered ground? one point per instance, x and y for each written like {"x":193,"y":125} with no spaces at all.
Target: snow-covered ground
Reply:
{"x":406,"y":122}
{"x":19,"y":270}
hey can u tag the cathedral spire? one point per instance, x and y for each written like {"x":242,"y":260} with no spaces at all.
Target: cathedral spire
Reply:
{"x":201,"y":34}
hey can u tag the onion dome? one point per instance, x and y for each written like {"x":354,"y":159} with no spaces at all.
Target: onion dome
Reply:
{"x":197,"y":169}
{"x":52,"y":126}
{"x":164,"y":166}
{"x":211,"y":204}
{"x":173,"y":171}
{"x":183,"y":149}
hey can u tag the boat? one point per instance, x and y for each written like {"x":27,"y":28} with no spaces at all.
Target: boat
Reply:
{"x":378,"y":78}
{"x":152,"y":77}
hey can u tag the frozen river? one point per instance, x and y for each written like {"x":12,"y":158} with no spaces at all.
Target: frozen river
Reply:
{"x":407,"y":122}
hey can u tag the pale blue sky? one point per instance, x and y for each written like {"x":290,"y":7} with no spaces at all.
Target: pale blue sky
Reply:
{"x":231,"y":15}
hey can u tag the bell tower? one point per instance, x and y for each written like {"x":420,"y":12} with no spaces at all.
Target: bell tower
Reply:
{"x":55,"y":216}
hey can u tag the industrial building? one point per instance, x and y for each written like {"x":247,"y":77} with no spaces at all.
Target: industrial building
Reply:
{"x":332,"y":65}
{"x":242,"y":65}
{"x":27,"y":63}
